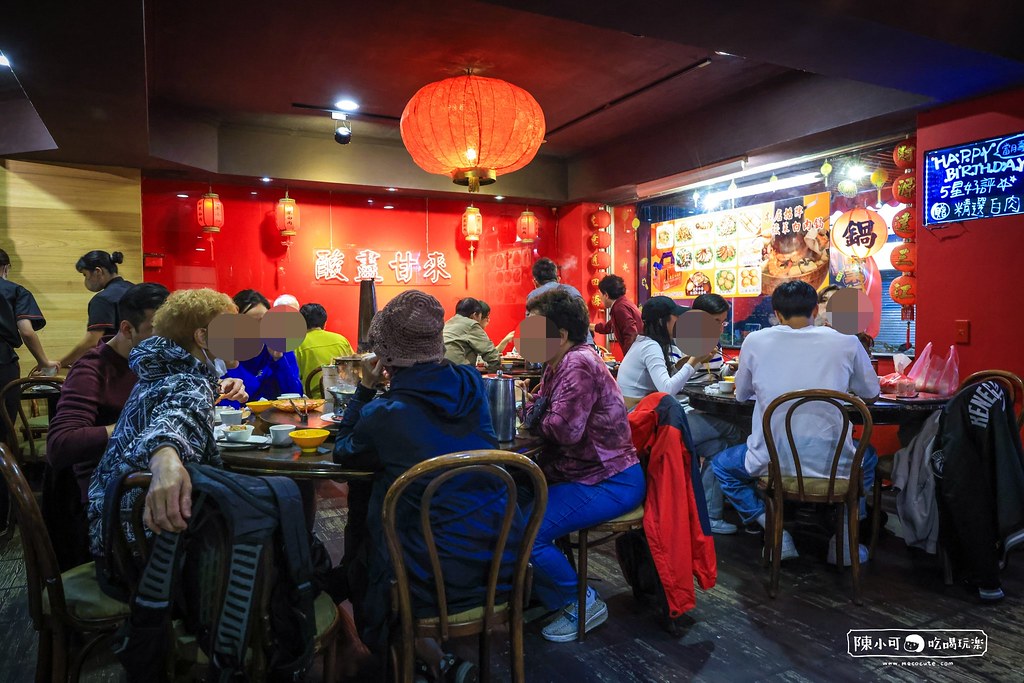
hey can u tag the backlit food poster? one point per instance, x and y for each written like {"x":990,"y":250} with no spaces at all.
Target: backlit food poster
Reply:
{"x":742,"y":252}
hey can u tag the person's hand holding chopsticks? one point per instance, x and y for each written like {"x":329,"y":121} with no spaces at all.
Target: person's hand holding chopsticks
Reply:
{"x":232,"y":389}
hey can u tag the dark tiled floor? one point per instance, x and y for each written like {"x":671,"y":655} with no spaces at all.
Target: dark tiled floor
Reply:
{"x":738,"y":633}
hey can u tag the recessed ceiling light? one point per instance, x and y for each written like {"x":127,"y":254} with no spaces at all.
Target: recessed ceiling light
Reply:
{"x":182,"y":195}
{"x":724,"y":54}
{"x":369,"y":201}
{"x":254,"y":192}
{"x":388,"y":206}
{"x":391,"y":189}
{"x":4,"y":61}
{"x":347,"y":105}
{"x":499,"y":197}
{"x":266,"y":179}
{"x":200,"y":249}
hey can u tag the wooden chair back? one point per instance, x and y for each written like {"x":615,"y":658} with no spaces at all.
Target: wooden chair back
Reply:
{"x":10,"y":421}
{"x":439,"y":471}
{"x":41,"y":570}
{"x":790,"y":402}
{"x":1011,"y":382}
{"x":313,"y":389}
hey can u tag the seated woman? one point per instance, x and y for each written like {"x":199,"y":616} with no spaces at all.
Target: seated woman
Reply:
{"x":432,"y":407}
{"x":590,"y":463}
{"x":168,"y":419}
{"x":271,"y":373}
{"x":655,"y":364}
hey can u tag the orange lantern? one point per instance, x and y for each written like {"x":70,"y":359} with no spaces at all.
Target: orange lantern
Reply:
{"x":472,"y":129}
{"x":904,"y":155}
{"x":210,"y":212}
{"x":600,"y":219}
{"x":472,"y":228}
{"x":904,"y":224}
{"x":602,"y":260}
{"x":859,"y":233}
{"x":600,"y":240}
{"x":904,"y":257}
{"x":287,"y":216}
{"x":904,"y":188}
{"x":527,"y":227}
{"x":903,"y":290}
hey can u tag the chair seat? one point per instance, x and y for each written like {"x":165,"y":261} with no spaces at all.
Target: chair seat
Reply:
{"x":466,"y":617}
{"x":812,"y":486}
{"x":325,"y":614}
{"x":628,"y":519}
{"x":84,"y":598}
{"x":40,"y":422}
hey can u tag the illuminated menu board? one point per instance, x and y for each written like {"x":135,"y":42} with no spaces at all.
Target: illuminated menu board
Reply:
{"x":743,"y":252}
{"x":981,"y":179}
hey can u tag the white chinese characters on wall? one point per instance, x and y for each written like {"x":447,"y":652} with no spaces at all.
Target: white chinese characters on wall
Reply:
{"x":407,"y":267}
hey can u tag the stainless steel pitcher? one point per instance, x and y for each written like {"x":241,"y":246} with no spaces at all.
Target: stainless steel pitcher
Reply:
{"x":501,"y":396}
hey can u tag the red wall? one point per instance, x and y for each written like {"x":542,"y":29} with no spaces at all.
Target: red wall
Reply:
{"x":971,"y":271}
{"x":248,"y":252}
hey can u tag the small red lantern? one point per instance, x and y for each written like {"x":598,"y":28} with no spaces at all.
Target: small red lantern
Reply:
{"x":596,"y":301}
{"x":904,"y":155}
{"x":904,"y":257}
{"x":210,"y":213}
{"x":903,"y":290}
{"x":600,"y":240}
{"x":602,"y":260}
{"x":527,"y":227}
{"x":904,"y":188}
{"x":287,"y":216}
{"x":594,"y":284}
{"x":904,"y":224}
{"x":600,"y":219}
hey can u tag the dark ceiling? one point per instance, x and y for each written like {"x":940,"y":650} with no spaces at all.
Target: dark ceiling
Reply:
{"x":631,"y":92}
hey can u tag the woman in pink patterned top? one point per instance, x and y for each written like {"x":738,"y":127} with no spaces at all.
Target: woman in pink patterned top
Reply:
{"x":590,"y":463}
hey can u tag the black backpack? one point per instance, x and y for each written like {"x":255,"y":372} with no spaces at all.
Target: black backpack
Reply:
{"x":246,"y":549}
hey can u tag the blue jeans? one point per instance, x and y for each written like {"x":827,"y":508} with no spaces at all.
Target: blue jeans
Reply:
{"x":572,"y":507}
{"x":711,"y":435}
{"x":740,"y":487}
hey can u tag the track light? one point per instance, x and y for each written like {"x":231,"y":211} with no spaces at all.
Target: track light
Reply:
{"x":343,"y":132}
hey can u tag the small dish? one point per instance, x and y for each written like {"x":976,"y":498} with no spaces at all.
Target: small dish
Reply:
{"x":259,"y":406}
{"x":249,"y":444}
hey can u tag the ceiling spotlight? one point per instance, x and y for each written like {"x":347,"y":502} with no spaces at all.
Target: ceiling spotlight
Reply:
{"x":343,"y":133}
{"x":3,"y":60}
{"x":347,"y":105}
{"x":499,"y":197}
{"x":253,"y":192}
{"x":392,"y":189}
{"x":369,"y":201}
{"x":388,"y":206}
{"x":266,"y":179}
{"x":182,"y":196}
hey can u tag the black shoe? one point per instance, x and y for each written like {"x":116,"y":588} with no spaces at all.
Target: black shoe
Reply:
{"x":455,"y":670}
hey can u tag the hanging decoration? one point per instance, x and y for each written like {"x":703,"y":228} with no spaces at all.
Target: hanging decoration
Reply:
{"x":210,"y":214}
{"x":527,"y":227}
{"x":598,"y":242}
{"x":594,"y":283}
{"x":826,"y":171}
{"x":602,"y":260}
{"x":472,"y":228}
{"x":600,"y":220}
{"x":878,"y":178}
{"x":847,"y":188}
{"x":903,"y":289}
{"x":287,"y":220}
{"x":472,"y":129}
{"x":858,"y":234}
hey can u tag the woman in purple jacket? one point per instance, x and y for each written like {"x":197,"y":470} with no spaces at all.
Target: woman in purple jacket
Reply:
{"x":589,"y":461}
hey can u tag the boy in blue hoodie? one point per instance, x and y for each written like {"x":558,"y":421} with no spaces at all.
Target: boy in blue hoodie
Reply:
{"x":432,"y":408}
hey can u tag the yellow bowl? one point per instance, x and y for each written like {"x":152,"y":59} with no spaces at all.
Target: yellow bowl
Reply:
{"x":259,"y":406}
{"x":309,"y":439}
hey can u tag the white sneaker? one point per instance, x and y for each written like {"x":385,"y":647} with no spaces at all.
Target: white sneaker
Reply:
{"x":831,"y":559}
{"x":563,"y":629}
{"x":720,"y":526}
{"x":788,"y":547}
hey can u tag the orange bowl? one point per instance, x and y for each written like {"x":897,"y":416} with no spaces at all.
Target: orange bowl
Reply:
{"x":307,"y":403}
{"x":259,"y":406}
{"x":308,"y":439}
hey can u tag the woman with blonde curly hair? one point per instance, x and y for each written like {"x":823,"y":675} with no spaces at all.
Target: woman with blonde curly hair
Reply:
{"x":168,"y":419}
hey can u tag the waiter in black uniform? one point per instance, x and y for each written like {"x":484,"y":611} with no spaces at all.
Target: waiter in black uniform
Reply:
{"x":100,"y":272}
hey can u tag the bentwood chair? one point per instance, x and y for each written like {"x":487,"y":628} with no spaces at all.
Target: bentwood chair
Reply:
{"x":33,"y":429}
{"x":312,"y":385}
{"x":69,"y":611}
{"x":188,"y":661}
{"x":497,"y":608}
{"x":796,"y":487}
{"x":1014,"y":385}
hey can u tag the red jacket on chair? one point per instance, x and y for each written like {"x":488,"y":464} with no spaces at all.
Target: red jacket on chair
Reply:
{"x":675,"y":513}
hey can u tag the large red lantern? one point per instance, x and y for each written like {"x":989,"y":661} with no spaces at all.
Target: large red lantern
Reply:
{"x":210,"y":213}
{"x":903,"y":290}
{"x":287,"y":218}
{"x":904,"y":188}
{"x":600,"y":219}
{"x":472,"y":129}
{"x":904,"y":257}
{"x":904,"y":224}
{"x":859,"y":233}
{"x":527,"y":227}
{"x":602,"y":260}
{"x":600,"y":240}
{"x":904,"y":155}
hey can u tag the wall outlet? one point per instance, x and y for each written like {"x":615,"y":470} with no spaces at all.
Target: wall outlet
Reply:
{"x":963,"y":331}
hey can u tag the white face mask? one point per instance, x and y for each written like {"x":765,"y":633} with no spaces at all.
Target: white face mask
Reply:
{"x":216,"y":365}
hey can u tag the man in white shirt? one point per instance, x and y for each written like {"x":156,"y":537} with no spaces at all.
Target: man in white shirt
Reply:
{"x":793,"y":356}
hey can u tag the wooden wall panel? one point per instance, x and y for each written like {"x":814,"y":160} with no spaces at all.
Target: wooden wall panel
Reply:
{"x":50,"y":215}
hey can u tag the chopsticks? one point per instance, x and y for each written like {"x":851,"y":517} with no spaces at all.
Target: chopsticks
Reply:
{"x":304,"y":413}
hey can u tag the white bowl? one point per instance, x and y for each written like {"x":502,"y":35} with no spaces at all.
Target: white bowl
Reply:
{"x":726,"y":387}
{"x":238,"y":434}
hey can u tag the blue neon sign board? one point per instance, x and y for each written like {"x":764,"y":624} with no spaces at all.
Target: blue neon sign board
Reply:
{"x":981,"y":179}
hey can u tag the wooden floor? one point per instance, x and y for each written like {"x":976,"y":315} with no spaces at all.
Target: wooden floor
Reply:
{"x":738,"y":633}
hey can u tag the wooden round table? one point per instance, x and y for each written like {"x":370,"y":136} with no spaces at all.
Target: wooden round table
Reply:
{"x":273,"y":416}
